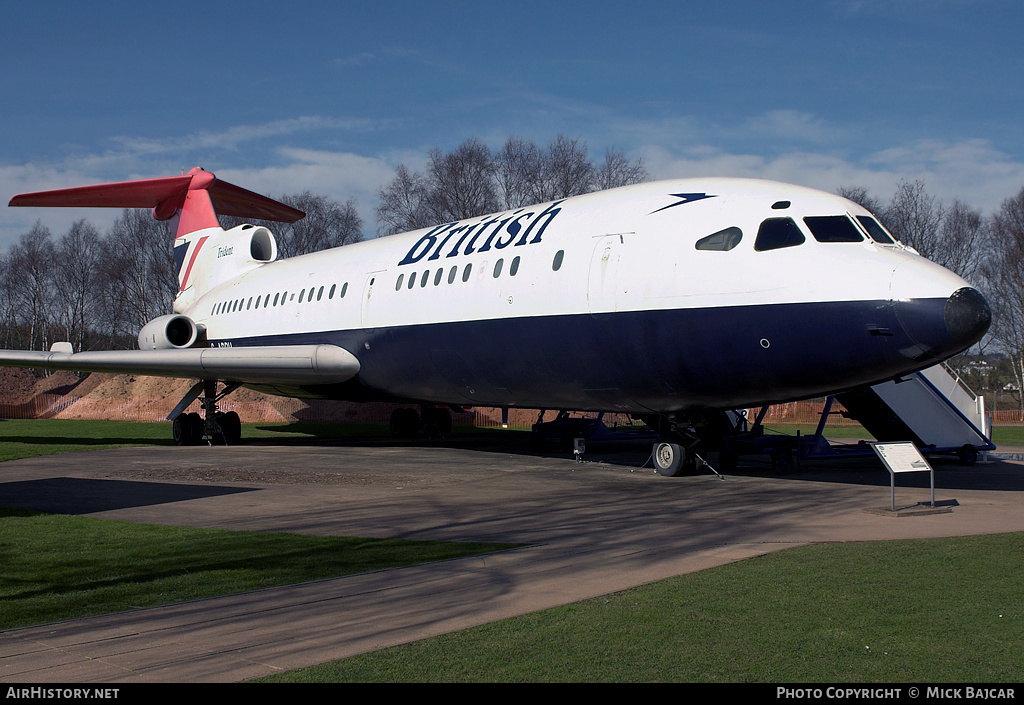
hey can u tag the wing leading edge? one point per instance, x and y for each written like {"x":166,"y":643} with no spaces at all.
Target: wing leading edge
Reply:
{"x":283,"y":364}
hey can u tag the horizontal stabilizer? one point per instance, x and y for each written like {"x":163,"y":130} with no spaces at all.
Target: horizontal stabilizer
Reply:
{"x":166,"y":196}
{"x":282,"y":364}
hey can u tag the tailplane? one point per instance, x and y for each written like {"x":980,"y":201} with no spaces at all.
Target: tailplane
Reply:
{"x":194,"y":200}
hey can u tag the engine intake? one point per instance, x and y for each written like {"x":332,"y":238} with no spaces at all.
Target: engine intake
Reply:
{"x":169,"y":332}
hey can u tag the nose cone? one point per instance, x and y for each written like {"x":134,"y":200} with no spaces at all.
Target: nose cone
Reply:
{"x":967,"y":316}
{"x":942,"y":327}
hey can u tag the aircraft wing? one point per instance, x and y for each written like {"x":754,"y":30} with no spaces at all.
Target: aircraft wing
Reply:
{"x":282,"y":364}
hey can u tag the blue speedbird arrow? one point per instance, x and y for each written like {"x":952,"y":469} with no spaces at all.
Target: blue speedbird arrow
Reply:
{"x":686,"y":198}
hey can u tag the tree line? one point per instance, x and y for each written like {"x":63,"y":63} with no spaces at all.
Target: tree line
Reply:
{"x":97,"y":291}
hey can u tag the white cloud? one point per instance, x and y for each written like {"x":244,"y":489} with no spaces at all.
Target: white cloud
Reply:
{"x":971,"y":170}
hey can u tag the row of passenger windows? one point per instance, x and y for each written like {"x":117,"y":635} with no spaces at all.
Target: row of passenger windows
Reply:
{"x":318,"y":293}
{"x":280,"y":299}
{"x":776,"y":233}
{"x":438,"y":275}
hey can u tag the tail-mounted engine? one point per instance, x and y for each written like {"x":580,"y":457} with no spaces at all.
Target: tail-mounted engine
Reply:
{"x":169,"y":332}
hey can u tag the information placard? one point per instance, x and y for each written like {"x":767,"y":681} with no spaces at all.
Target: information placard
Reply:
{"x":902,"y":457}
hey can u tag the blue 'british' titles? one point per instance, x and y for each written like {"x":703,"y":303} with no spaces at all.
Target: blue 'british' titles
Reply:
{"x":497,"y":231}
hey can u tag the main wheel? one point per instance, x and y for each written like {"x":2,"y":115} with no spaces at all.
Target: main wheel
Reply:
{"x":181,"y":430}
{"x":437,"y":421}
{"x":405,"y":423}
{"x":231,"y":426}
{"x":198,"y":428}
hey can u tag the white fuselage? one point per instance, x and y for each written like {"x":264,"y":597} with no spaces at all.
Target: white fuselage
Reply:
{"x":469,"y":299}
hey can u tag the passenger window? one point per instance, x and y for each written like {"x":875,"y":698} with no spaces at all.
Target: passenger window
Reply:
{"x":514,"y":267}
{"x":876,"y":231}
{"x":320,"y":293}
{"x":451,"y":274}
{"x":424,"y":277}
{"x":556,"y":264}
{"x":330,"y":294}
{"x":398,"y":284}
{"x":437,"y":276}
{"x":776,"y":233}
{"x":466,"y":271}
{"x":497,"y":268}
{"x":301,"y":294}
{"x":344,"y":288}
{"x":412,"y":280}
{"x":833,"y":228}
{"x":722,"y":241}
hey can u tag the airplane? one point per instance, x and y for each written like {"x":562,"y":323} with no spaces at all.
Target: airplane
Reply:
{"x":674,"y":301}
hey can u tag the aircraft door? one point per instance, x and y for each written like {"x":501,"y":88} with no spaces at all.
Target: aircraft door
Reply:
{"x":603,"y":295}
{"x":374,"y":281}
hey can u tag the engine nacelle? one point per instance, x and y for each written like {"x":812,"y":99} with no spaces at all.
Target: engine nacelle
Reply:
{"x":168,"y":332}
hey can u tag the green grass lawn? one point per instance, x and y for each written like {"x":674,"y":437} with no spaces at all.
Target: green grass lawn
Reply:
{"x":57,"y":567}
{"x":939,"y":610}
{"x":22,"y":438}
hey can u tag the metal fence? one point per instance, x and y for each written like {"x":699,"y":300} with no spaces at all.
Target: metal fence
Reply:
{"x":281,"y":410}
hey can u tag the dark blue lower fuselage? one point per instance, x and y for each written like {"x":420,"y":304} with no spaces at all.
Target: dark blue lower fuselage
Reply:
{"x":639,"y":361}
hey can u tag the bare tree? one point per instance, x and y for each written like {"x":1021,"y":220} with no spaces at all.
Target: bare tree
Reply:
{"x":138,"y":276}
{"x":962,"y":235}
{"x":327,"y":224}
{"x":516,"y":167}
{"x":402,"y":204}
{"x":76,"y":274}
{"x":862,"y":197}
{"x":31,"y":271}
{"x":913,"y":216}
{"x":1004,"y":276}
{"x":566,"y":171}
{"x":617,"y":170}
{"x":472,"y":181}
{"x":461,"y":182}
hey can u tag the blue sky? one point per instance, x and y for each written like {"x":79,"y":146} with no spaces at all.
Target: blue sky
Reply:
{"x":332,"y":96}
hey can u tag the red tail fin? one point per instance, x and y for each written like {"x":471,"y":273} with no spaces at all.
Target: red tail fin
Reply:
{"x":196,"y":197}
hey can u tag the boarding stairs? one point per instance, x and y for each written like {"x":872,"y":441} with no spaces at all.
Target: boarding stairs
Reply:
{"x":933,"y":408}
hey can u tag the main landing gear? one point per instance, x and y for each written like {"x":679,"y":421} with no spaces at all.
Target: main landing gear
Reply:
{"x":432,"y":421}
{"x":213,"y":426}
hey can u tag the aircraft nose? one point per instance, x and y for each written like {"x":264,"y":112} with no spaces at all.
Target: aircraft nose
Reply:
{"x":941,"y":327}
{"x":967,"y":316}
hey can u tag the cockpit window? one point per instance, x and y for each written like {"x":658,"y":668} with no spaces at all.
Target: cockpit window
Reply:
{"x":876,"y":231}
{"x":833,"y":228}
{"x":776,"y":233}
{"x":723,"y":240}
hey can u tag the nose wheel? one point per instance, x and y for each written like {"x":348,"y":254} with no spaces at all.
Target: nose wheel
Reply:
{"x":674,"y":459}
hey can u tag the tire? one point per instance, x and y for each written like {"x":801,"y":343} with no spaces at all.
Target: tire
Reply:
{"x":405,"y":423}
{"x":231,"y":426}
{"x":782,"y":464}
{"x":198,"y":428}
{"x":668,"y":458}
{"x":968,"y":455}
{"x":437,"y":421}
{"x":181,"y":430}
